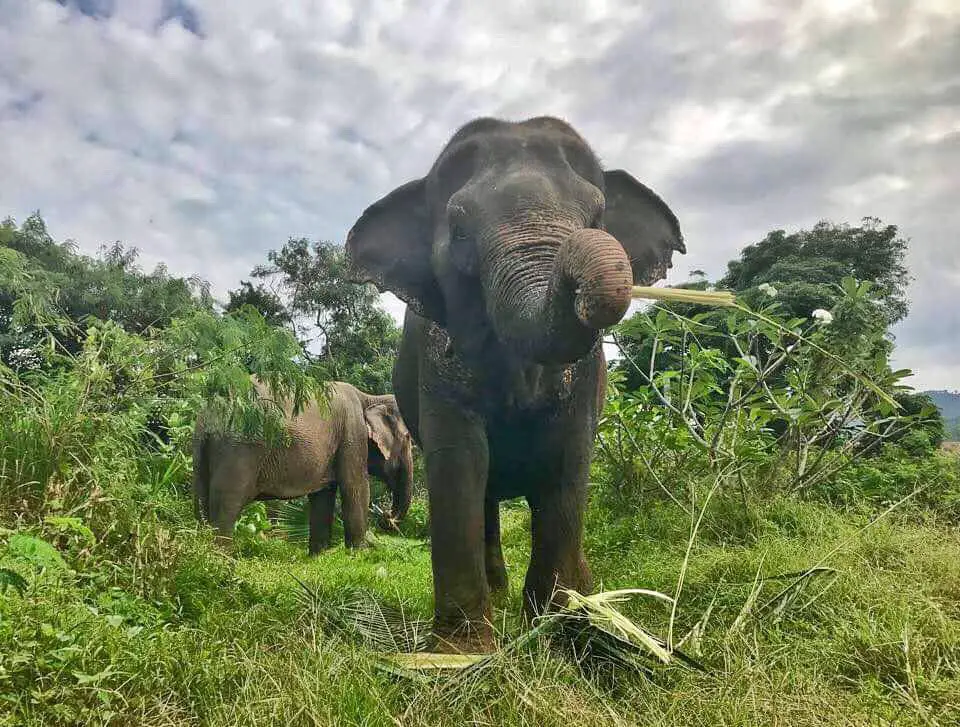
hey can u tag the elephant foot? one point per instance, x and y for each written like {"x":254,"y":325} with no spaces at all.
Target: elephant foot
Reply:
{"x":543,"y":595}
{"x":466,"y":639}
{"x":364,"y":544}
{"x":388,"y":525}
{"x":498,"y":585}
{"x":224,"y":543}
{"x":318,"y":548}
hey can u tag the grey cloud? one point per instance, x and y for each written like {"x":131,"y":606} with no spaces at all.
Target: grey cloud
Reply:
{"x":743,"y":173}
{"x":177,"y":11}
{"x":91,"y":8}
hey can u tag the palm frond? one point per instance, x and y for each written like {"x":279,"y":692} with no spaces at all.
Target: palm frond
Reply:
{"x":359,"y":616}
{"x":292,"y":519}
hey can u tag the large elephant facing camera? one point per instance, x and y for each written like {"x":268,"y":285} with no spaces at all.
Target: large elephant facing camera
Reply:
{"x":331,"y":449}
{"x":512,"y":254}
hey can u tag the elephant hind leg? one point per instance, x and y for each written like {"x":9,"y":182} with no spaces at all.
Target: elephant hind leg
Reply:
{"x":201,"y":477}
{"x":496,"y":569}
{"x":321,"y":518}
{"x":233,"y":483}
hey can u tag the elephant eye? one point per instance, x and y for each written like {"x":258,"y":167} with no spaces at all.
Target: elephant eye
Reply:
{"x":461,"y":250}
{"x":459,"y":239}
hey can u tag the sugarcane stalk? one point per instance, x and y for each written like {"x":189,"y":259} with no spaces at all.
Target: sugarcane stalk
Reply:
{"x":718,"y":298}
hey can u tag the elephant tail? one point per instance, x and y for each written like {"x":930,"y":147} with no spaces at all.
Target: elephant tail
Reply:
{"x":201,"y":476}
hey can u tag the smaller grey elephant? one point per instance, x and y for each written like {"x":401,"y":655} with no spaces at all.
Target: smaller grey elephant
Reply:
{"x":359,"y":434}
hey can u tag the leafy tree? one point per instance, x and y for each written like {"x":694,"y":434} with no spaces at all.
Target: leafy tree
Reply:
{"x":632,"y":336}
{"x":806,"y":266}
{"x":849,"y":280}
{"x":265,"y":301}
{"x":109,"y":287}
{"x":930,"y":430}
{"x":794,"y":417}
{"x":793,"y":276}
{"x":358,"y":340}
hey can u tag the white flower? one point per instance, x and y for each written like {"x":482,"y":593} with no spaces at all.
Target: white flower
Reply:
{"x":768,"y":289}
{"x":824,"y":316}
{"x":382,"y":571}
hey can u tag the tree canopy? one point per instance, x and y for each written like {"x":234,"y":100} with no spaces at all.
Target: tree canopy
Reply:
{"x":109,"y":287}
{"x":310,"y":290}
{"x":806,"y":267}
{"x":849,"y":280}
{"x":302,"y":287}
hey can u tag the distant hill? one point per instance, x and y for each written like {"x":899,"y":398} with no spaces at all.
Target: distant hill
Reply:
{"x":948,"y":402}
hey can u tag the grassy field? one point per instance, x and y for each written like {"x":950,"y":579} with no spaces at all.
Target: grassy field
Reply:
{"x":820,"y":587}
{"x":176,"y":633}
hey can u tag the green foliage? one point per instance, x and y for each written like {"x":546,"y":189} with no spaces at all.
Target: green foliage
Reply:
{"x":33,"y":552}
{"x":265,"y":301}
{"x":210,"y":359}
{"x":754,"y":396}
{"x":42,"y":280}
{"x":358,"y":340}
{"x":253,"y":520}
{"x":11,"y":579}
{"x":779,"y":401}
{"x":931,"y":429}
{"x":897,"y":473}
{"x":806,"y":266}
{"x":66,"y":425}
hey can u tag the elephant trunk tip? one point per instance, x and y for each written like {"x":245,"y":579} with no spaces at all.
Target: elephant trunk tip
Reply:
{"x":603,"y":278}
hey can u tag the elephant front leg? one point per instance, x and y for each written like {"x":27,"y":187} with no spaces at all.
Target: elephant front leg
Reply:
{"x":557,"y":559}
{"x":456,"y":456}
{"x":354,"y":501}
{"x":354,"y":488}
{"x":321,"y":518}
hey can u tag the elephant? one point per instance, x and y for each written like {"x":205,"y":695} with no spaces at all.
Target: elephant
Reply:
{"x":513,"y":253}
{"x":330,"y":450}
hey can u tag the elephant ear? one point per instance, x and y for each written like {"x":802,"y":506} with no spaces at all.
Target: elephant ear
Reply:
{"x":379,"y":430}
{"x":644,"y":225}
{"x":391,"y":246}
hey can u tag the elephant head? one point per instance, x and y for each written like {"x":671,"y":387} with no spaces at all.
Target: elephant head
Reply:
{"x":517,"y":231}
{"x":390,"y":454}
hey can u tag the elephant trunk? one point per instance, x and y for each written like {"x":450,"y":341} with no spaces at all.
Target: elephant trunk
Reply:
{"x":554,"y":288}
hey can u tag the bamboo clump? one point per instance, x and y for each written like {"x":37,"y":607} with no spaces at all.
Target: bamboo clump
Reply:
{"x":718,"y":298}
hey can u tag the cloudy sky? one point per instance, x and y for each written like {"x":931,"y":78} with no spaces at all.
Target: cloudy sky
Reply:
{"x":207,"y":132}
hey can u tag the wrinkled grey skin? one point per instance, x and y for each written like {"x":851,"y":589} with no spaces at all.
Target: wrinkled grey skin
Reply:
{"x":512,"y":253}
{"x":333,"y":449}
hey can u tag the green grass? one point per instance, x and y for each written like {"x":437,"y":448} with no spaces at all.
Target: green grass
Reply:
{"x":191,"y":636}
